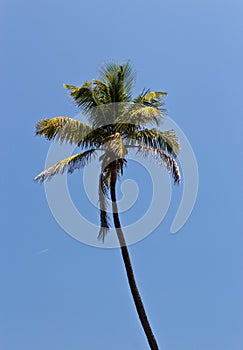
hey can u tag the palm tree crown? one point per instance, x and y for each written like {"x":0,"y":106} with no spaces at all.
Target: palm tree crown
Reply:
{"x":117,"y":124}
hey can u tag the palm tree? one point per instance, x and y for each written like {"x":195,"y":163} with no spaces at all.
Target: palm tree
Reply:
{"x":117,"y":124}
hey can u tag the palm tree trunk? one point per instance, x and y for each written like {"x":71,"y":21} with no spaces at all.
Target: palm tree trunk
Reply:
{"x":129,"y":270}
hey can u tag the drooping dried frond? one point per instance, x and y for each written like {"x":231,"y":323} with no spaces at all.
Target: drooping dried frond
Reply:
{"x":176,"y":172}
{"x":164,"y":140}
{"x":63,"y":129}
{"x":120,"y":163}
{"x":163,"y":158}
{"x":69,"y":164}
{"x":107,"y":167}
{"x":104,"y":184}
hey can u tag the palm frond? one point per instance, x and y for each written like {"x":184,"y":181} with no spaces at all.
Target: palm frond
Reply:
{"x":155,"y":98}
{"x":169,"y":140}
{"x":102,"y":92}
{"x":104,"y":135}
{"x":164,"y":140}
{"x":126,"y":128}
{"x":63,"y":129}
{"x":119,"y":78}
{"x":83,"y":96}
{"x":146,"y":108}
{"x":163,"y":158}
{"x":142,"y":115}
{"x":151,"y":98}
{"x":129,"y":79}
{"x":69,"y":164}
{"x":102,"y":115}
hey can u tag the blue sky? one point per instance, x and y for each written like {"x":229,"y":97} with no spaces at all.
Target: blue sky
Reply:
{"x":57,"y":293}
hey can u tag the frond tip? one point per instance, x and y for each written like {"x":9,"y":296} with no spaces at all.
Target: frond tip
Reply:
{"x":163,"y":158}
{"x":76,"y":161}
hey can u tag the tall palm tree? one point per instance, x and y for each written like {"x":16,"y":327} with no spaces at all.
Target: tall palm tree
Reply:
{"x":117,"y":124}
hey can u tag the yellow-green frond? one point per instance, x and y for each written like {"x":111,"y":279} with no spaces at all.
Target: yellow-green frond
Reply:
{"x":152,"y":98}
{"x":164,"y":140}
{"x":69,"y":164}
{"x":155,"y":97}
{"x":63,"y":129}
{"x":142,"y":115}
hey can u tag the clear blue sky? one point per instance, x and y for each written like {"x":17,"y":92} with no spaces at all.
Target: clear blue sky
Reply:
{"x":72,"y":296}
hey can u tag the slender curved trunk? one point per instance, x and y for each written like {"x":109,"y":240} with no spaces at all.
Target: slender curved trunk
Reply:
{"x":129,"y":270}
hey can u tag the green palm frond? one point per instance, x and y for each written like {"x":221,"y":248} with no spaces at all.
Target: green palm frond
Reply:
{"x":102,"y":92}
{"x":129,"y":78}
{"x":69,"y":164}
{"x":83,"y":96}
{"x":125,"y":128}
{"x":102,"y":135}
{"x":164,"y":140}
{"x":94,"y":138}
{"x":120,"y":80}
{"x":63,"y":129}
{"x":115,"y":85}
{"x":102,"y":115}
